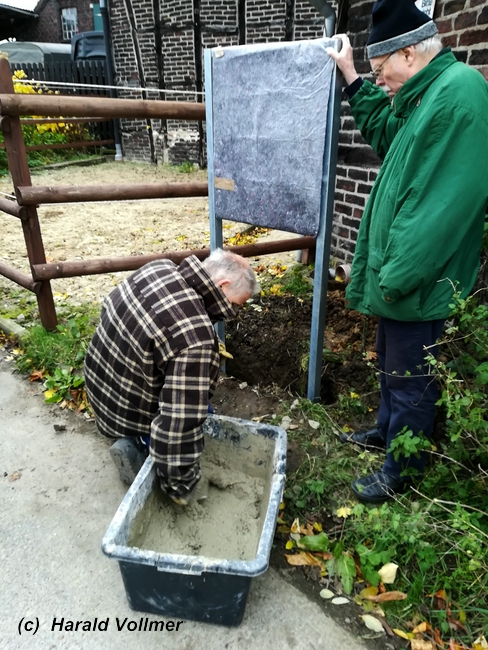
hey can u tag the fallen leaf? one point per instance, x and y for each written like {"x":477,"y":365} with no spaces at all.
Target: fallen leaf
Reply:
{"x":17,"y":351}
{"x":313,"y":424}
{"x":437,"y":638}
{"x":340,"y":600}
{"x":388,"y":573}
{"x":454,"y":624}
{"x":344,"y":512}
{"x":418,"y":644}
{"x":289,"y":545}
{"x":402,"y":634}
{"x":295,"y":527}
{"x":303,"y":559}
{"x":388,"y":595}
{"x":480,"y":643}
{"x":36,"y":375}
{"x":15,"y":476}
{"x":317,"y":526}
{"x":368,"y":591}
{"x":327,"y":594}
{"x":372,"y":623}
{"x":423,"y":627}
{"x":308,"y":530}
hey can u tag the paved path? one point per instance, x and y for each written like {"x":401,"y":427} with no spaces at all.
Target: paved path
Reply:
{"x":52,"y":520}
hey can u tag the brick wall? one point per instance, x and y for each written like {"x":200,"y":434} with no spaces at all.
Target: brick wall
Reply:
{"x":463,"y":25}
{"x":47,"y":27}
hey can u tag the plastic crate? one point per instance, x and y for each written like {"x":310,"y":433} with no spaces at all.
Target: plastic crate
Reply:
{"x":194,"y":587}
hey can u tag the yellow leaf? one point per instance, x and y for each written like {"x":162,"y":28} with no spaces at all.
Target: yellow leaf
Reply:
{"x":423,"y":627}
{"x":403,"y":635}
{"x":284,"y":530}
{"x":388,"y":573}
{"x":17,"y":351}
{"x":368,"y":591}
{"x":343,"y":512}
{"x":289,"y":545}
{"x":295,"y":527}
{"x":354,"y":395}
{"x":49,"y":393}
{"x":317,"y":527}
{"x":480,"y":643}
{"x":282,"y":505}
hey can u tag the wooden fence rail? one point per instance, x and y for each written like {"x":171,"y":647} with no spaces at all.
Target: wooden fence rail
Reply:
{"x":132,"y":191}
{"x":65,"y":106}
{"x":54,"y":270}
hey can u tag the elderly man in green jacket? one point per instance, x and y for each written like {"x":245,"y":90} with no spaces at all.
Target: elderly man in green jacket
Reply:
{"x":421,"y":232}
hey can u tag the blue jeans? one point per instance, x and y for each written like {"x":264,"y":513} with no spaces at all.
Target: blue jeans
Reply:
{"x":408,"y":392}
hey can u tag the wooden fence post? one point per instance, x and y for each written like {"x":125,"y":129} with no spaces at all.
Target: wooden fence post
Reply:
{"x":19,"y":170}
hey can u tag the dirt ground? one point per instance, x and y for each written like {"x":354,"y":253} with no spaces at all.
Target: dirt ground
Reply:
{"x":76,"y":231}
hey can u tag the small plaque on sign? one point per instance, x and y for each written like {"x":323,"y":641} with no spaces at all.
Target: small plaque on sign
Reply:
{"x":224,"y":184}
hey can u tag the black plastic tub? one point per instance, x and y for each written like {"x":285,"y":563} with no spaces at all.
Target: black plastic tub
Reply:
{"x":195,"y":587}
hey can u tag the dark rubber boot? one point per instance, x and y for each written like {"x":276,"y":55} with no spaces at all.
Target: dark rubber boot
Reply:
{"x":128,"y":456}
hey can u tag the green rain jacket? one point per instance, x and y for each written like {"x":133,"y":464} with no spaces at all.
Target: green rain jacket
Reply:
{"x":421,"y":231}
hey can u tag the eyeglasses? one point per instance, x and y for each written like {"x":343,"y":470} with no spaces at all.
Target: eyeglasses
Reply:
{"x":377,"y":72}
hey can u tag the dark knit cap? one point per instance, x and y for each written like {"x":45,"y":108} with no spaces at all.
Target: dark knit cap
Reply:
{"x":397,"y":24}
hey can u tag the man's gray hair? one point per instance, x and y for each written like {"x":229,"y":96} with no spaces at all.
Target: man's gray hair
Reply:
{"x":431,"y":45}
{"x":224,"y":265}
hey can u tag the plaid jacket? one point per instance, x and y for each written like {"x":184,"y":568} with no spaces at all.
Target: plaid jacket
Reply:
{"x":153,"y":364}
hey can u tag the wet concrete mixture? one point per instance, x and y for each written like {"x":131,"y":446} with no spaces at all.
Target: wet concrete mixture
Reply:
{"x":228,"y":524}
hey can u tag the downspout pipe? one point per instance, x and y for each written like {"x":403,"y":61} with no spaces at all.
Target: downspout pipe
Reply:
{"x":328,"y":13}
{"x":110,"y":73}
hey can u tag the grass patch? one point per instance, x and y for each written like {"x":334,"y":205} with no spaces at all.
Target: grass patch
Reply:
{"x":66,"y":346}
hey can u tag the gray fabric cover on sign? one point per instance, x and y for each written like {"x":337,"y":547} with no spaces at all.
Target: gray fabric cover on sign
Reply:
{"x":269,"y":122}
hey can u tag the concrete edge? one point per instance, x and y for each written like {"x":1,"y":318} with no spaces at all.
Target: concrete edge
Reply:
{"x":10,"y":327}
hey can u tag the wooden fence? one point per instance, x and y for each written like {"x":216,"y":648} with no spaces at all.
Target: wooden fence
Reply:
{"x":12,"y":106}
{"x":93,"y":73}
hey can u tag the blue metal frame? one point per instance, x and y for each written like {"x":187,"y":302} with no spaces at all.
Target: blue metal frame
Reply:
{"x":216,"y":237}
{"x":322,"y":253}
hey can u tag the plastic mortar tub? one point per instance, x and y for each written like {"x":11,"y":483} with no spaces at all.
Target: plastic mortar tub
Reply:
{"x":194,"y":587}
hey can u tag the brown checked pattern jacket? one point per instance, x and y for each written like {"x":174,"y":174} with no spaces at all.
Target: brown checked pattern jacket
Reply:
{"x":153,"y":363}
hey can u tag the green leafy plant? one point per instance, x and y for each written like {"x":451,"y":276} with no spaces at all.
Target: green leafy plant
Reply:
{"x":60,"y":384}
{"x":187,"y":167}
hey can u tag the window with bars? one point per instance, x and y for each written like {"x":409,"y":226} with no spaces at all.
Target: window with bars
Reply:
{"x":69,"y":22}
